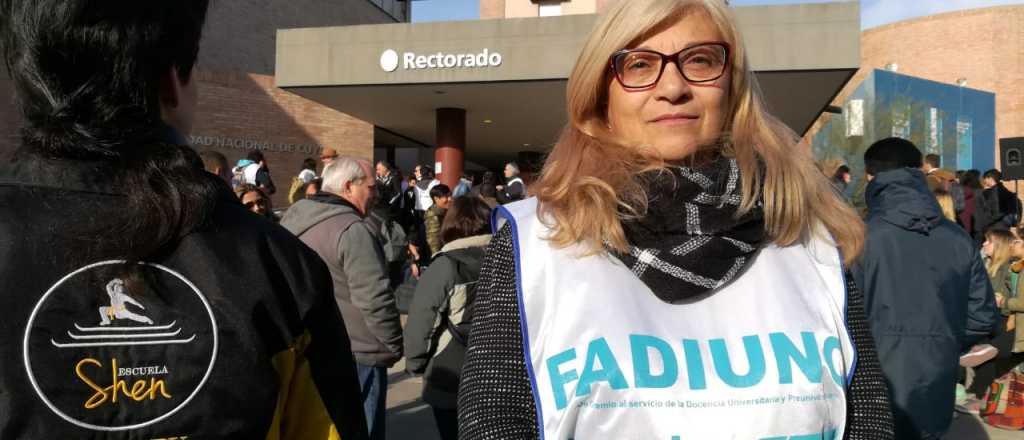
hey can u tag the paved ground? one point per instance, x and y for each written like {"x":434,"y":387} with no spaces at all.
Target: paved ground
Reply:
{"x":410,"y":419}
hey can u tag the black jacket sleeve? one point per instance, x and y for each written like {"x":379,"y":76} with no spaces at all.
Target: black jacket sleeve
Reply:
{"x":264,"y":181}
{"x":868,"y":411}
{"x":982,"y":313}
{"x":496,"y":400}
{"x":515,"y":191}
{"x":318,"y":371}
{"x":511,"y":193}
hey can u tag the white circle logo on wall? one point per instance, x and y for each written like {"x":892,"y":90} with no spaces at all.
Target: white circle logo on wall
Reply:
{"x":389,"y":60}
{"x":120,"y":346}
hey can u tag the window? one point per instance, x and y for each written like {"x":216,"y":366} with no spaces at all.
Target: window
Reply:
{"x":964,"y":143}
{"x":934,"y":132}
{"x":901,"y":119}
{"x":550,"y":8}
{"x":855,"y":118}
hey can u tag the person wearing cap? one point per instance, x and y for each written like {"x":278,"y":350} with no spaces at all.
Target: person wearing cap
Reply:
{"x":327,"y":156}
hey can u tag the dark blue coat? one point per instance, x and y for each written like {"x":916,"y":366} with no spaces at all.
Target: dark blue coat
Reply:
{"x":927,"y":297}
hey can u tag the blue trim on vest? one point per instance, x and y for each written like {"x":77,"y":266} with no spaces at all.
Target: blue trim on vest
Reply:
{"x":502,"y":212}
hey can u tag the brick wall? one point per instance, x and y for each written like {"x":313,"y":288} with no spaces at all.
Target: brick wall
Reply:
{"x":240,"y":37}
{"x":529,"y":8}
{"x":248,"y":107}
{"x":985,"y":46}
{"x":492,"y":9}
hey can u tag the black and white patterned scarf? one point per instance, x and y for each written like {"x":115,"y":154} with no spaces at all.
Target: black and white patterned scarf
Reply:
{"x":691,"y":241}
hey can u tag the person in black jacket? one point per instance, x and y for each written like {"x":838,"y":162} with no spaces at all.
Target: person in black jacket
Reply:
{"x":514,"y":188}
{"x":1007,"y":202}
{"x":259,"y":173}
{"x":927,"y":293}
{"x":389,"y":191}
{"x":486,"y":189}
{"x":441,"y":313}
{"x":981,"y":208}
{"x":140,"y":299}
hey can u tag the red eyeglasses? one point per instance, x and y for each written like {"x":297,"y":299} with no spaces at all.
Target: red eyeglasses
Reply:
{"x":642,"y":68}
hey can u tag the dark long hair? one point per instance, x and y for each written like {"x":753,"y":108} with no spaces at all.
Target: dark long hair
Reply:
{"x":247,"y":188}
{"x":466,"y":217}
{"x":87,"y":75}
{"x":970,"y":179}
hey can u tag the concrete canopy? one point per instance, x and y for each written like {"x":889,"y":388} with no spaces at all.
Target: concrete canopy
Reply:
{"x":510,"y":75}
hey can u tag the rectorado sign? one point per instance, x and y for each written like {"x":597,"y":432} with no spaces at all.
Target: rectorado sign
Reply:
{"x":389,"y":60}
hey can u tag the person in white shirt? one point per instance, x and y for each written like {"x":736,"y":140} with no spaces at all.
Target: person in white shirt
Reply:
{"x":425,"y":181}
{"x":308,"y":172}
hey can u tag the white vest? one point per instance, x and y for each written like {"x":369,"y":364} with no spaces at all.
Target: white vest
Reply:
{"x":423,"y":199}
{"x":767,"y":357}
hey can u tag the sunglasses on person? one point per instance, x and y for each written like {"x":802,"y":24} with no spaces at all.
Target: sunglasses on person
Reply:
{"x":637,"y":69}
{"x":258,"y":202}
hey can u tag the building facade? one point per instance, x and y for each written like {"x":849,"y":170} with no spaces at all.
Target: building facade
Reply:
{"x":977,"y":49}
{"x":240,"y":107}
{"x":493,"y":90}
{"x":539,"y":8}
{"x":955,"y":122}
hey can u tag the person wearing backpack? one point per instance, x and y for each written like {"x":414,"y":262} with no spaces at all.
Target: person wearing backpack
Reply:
{"x":258,"y":173}
{"x":437,"y":331}
{"x":301,"y":181}
{"x":1008,"y":203}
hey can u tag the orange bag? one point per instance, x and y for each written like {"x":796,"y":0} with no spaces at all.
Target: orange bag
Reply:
{"x":1004,"y":402}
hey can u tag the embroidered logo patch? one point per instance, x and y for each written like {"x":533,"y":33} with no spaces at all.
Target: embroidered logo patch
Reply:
{"x":113,"y":347}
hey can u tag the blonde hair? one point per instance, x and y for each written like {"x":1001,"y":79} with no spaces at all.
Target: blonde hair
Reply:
{"x":588,"y":184}
{"x":1001,"y":250}
{"x":946,"y":203}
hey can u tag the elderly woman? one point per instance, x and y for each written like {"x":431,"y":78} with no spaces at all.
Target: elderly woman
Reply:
{"x":680,"y":273}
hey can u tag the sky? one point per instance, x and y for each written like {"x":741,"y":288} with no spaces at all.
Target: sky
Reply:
{"x":445,"y":10}
{"x":873,"y":12}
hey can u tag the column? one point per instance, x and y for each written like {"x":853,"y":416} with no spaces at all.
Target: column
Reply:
{"x":451,"y":144}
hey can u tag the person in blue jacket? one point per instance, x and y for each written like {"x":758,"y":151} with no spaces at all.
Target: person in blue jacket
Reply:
{"x":926,"y":291}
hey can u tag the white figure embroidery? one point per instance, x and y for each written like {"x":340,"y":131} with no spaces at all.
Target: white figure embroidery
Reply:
{"x":117,"y":309}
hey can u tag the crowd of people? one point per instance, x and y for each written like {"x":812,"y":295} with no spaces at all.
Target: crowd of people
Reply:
{"x":927,"y":294}
{"x":393,"y":246}
{"x":681,"y":269}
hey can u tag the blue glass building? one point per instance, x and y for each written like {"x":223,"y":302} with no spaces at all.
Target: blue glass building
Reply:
{"x":957,"y":123}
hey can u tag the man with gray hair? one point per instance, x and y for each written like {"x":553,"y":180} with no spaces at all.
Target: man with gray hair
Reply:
{"x":515,"y":189}
{"x":334,"y":223}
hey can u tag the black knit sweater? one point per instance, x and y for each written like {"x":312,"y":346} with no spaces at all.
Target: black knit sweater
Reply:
{"x":496,"y":400}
